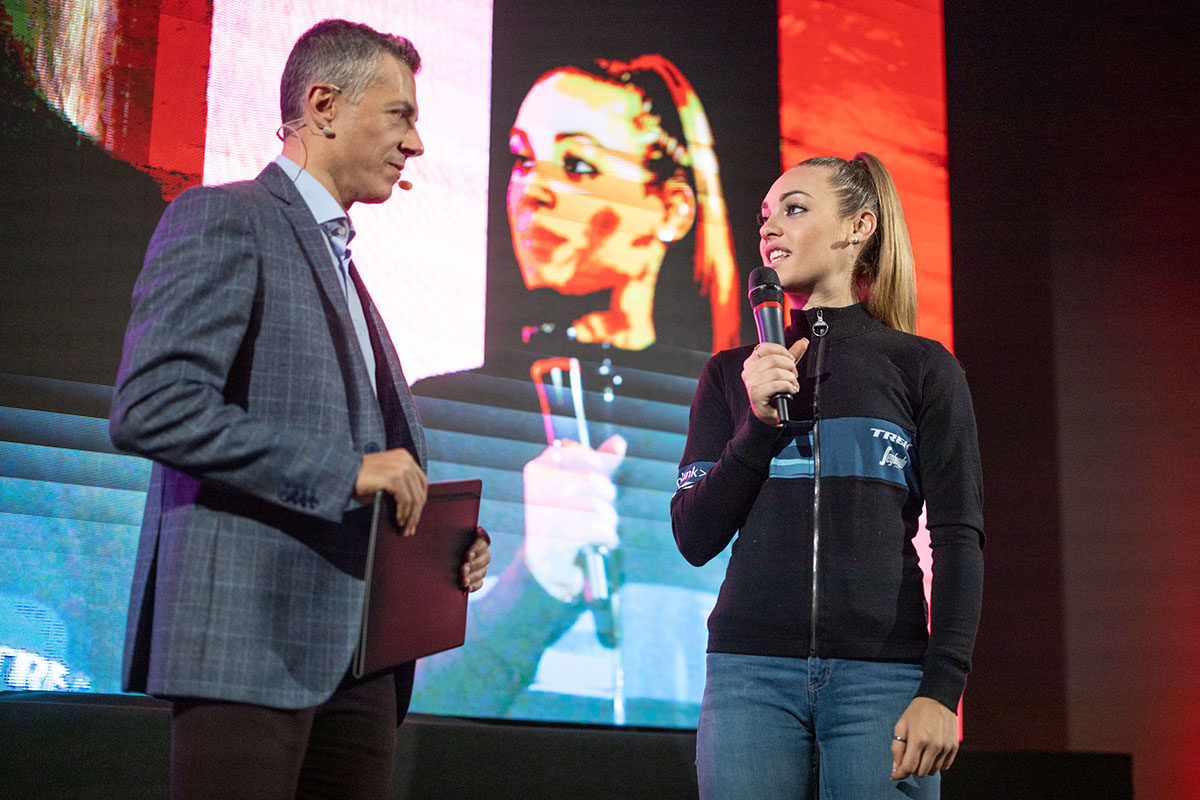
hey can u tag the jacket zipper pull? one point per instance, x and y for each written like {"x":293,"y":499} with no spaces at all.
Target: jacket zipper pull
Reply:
{"x":820,"y":327}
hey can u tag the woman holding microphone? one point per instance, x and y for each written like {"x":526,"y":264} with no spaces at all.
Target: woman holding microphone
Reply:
{"x":825,"y":675}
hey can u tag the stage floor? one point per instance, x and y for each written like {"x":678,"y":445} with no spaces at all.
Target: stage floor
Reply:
{"x":58,"y":745}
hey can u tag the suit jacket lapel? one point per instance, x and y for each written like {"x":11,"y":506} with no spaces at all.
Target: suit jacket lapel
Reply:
{"x":312,"y":242}
{"x":399,"y":411}
{"x":329,"y":281}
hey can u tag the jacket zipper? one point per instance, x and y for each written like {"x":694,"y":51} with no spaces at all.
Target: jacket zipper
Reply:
{"x":819,"y":329}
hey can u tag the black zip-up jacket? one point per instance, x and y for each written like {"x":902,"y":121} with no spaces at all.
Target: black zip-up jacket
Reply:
{"x":881,"y":426}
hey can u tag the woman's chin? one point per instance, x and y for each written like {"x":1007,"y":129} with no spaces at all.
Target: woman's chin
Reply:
{"x":563,"y":282}
{"x":540,"y":273}
{"x":615,"y":328}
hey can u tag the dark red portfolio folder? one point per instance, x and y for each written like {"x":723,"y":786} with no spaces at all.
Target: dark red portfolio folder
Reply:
{"x":414,"y":604}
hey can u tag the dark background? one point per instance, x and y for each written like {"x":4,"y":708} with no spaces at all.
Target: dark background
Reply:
{"x":74,"y":223}
{"x":1074,"y":232}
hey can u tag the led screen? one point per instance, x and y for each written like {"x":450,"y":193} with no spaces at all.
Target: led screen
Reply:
{"x":575,"y":246}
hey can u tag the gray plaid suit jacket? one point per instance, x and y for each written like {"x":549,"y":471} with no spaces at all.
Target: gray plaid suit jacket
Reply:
{"x":242,"y":379}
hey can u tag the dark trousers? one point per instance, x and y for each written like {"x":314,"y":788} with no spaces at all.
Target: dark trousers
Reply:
{"x":343,"y":748}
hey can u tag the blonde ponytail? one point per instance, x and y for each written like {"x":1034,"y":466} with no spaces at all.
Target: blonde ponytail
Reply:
{"x":885,"y":271}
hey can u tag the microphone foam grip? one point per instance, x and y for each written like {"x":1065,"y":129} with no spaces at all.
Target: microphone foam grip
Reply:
{"x":764,"y":286}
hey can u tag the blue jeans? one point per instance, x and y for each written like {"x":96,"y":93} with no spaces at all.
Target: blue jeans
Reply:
{"x":796,"y":728}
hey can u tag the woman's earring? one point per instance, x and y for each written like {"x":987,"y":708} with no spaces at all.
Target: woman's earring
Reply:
{"x":670,"y":233}
{"x":853,"y":240}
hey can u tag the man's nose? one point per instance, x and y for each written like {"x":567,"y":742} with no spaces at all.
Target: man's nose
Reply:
{"x":412,"y":146}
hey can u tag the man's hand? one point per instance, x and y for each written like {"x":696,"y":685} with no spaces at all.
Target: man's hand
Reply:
{"x":397,"y":473}
{"x":925,"y":739}
{"x":768,"y":371}
{"x":475,"y":566}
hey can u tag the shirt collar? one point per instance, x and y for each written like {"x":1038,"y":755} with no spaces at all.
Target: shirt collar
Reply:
{"x":318,"y":199}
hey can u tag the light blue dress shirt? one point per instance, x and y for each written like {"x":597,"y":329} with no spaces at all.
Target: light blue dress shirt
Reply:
{"x":334,"y":221}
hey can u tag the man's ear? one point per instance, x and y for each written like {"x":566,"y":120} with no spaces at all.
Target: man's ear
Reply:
{"x":679,"y":203}
{"x":321,"y":107}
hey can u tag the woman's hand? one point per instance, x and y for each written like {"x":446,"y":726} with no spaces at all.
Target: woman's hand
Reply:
{"x":770,"y":370}
{"x":570,"y":502}
{"x":925,"y":739}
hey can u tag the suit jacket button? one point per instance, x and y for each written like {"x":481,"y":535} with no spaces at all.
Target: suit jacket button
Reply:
{"x":371,"y":447}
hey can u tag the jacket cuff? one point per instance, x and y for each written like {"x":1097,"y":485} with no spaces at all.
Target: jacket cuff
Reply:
{"x":754,"y":442}
{"x":942,"y":680}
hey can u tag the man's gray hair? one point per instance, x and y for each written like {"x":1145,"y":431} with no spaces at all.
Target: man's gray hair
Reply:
{"x":343,"y":53}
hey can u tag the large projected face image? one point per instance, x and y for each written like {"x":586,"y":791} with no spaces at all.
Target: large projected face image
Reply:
{"x":600,"y":189}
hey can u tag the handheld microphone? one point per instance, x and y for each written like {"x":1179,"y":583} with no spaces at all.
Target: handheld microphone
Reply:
{"x":601,"y":578}
{"x":766,"y":298}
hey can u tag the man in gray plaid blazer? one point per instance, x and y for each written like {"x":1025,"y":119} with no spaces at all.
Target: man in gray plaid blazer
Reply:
{"x":259,"y":377}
